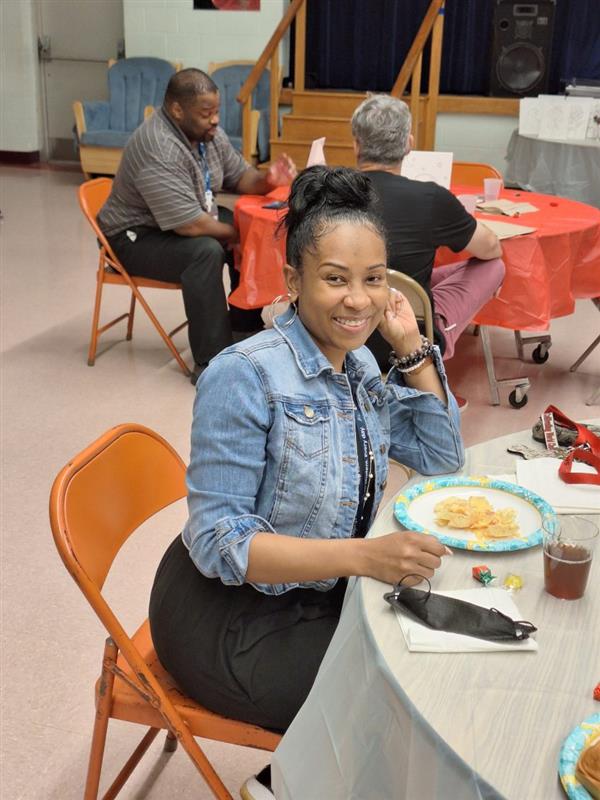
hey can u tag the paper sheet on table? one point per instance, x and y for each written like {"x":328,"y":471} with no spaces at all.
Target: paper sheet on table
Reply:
{"x":506,"y":230}
{"x":317,"y":154}
{"x":428,"y":165}
{"x":540,"y":475}
{"x":529,"y":116}
{"x":506,"y":207}
{"x":420,"y":639}
{"x":554,"y":119}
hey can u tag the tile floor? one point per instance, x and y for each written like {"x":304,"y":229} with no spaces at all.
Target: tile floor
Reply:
{"x":53,"y":404}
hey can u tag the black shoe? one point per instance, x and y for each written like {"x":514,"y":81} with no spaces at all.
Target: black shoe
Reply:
{"x":198,"y":370}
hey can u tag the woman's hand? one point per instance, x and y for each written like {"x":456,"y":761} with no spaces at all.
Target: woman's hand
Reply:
{"x":399,"y":325}
{"x":391,"y":557}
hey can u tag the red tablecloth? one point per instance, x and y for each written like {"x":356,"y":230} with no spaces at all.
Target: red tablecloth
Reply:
{"x":545,"y":271}
{"x":262,"y":250}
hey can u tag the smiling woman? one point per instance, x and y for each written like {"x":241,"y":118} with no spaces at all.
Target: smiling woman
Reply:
{"x":290,"y":441}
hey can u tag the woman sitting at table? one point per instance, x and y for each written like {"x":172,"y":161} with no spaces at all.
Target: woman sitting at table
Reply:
{"x":290,"y":440}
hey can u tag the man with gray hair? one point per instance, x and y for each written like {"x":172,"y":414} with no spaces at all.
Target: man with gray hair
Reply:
{"x":162,"y":219}
{"x":419,"y":217}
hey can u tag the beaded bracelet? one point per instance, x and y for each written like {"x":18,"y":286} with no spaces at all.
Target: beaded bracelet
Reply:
{"x":412,"y":359}
{"x":427,"y":361}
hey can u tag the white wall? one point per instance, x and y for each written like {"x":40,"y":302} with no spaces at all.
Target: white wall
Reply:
{"x":19,"y":77}
{"x":475,"y":137}
{"x":171,"y":29}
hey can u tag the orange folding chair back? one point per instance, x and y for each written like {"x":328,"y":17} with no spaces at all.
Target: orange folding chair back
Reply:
{"x":469,"y":173}
{"x":92,"y":196}
{"x":97,"y":501}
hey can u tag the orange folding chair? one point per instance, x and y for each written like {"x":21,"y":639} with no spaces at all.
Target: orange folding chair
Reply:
{"x":97,"y":501}
{"x":469,"y":173}
{"x":92,"y":196}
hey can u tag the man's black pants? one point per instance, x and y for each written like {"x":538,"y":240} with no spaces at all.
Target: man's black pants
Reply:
{"x":197,"y":263}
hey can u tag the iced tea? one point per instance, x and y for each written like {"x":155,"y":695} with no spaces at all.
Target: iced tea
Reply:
{"x":566,"y":569}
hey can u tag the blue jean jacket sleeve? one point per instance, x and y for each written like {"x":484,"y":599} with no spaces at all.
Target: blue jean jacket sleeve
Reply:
{"x":424,"y":434}
{"x":226,"y":468}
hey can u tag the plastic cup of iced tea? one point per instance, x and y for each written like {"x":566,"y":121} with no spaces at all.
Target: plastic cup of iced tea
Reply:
{"x":569,"y":543}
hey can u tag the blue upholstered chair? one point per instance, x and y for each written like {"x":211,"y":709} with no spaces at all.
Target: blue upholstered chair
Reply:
{"x":104,"y":126}
{"x":230,"y":76}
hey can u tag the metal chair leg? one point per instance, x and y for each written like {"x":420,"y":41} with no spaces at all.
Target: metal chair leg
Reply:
{"x":130,"y":318}
{"x":170,"y":744}
{"x":95,"y":319}
{"x":107,"y":679}
{"x":585,"y":354}
{"x":594,"y":399}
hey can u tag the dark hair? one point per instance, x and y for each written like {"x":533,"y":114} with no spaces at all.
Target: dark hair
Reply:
{"x":324,"y":196}
{"x":185,"y":86}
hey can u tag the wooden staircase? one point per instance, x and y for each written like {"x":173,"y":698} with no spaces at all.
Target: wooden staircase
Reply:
{"x":323,"y":113}
{"x":315,"y":114}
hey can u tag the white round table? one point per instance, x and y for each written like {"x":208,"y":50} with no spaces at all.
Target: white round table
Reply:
{"x":382,"y":723}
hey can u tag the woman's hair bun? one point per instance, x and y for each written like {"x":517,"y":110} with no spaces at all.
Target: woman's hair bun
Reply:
{"x":321,"y":196}
{"x":320,"y":188}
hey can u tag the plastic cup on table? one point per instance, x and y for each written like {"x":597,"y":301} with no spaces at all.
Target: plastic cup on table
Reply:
{"x":569,"y":542}
{"x":491,"y":188}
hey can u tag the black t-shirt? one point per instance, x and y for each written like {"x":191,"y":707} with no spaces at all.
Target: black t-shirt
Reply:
{"x":418,"y":217}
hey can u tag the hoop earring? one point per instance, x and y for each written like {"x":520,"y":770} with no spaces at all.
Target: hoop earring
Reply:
{"x":295,"y":307}
{"x":281,"y":298}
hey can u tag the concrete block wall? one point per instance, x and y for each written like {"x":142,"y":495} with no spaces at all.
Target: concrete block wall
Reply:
{"x":475,"y":137}
{"x":172,"y":29}
{"x":20,"y":122}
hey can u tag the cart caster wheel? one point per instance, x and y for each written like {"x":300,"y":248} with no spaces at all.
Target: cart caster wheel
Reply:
{"x":516,"y":401}
{"x":540,"y":355}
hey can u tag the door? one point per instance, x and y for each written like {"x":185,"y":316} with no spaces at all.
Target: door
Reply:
{"x":75,"y":41}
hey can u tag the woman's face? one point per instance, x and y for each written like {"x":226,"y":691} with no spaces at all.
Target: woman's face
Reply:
{"x":342,"y":289}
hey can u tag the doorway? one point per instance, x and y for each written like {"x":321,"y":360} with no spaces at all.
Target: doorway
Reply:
{"x":75,"y":42}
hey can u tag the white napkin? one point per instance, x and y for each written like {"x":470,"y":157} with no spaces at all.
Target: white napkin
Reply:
{"x":540,"y":475}
{"x":421,"y":639}
{"x":506,"y":207}
{"x":317,"y":154}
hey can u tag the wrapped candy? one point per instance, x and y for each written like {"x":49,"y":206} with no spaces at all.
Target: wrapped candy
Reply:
{"x":483,"y":574}
{"x":513,"y":582}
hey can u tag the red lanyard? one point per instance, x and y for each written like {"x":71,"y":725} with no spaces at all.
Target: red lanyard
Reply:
{"x":586,"y":448}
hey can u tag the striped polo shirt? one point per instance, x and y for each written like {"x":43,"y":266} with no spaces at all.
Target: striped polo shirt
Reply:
{"x":160,"y":182}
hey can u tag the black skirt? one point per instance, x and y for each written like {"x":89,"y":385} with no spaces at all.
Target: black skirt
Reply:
{"x":237,"y":651}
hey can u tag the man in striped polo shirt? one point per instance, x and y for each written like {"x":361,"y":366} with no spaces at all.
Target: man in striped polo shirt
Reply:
{"x":162,"y":219}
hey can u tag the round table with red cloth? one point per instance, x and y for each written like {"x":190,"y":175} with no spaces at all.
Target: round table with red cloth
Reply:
{"x":546,"y":271}
{"x":261,"y":253}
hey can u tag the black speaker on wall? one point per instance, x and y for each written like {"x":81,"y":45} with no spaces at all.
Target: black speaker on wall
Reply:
{"x":522,"y":41}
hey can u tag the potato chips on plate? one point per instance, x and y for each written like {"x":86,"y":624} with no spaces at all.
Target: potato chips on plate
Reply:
{"x":474,"y":513}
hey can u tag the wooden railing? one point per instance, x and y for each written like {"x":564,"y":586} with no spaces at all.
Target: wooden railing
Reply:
{"x":432,"y":25}
{"x":270,"y":55}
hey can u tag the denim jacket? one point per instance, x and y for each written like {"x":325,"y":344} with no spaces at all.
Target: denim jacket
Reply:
{"x":274,"y":445}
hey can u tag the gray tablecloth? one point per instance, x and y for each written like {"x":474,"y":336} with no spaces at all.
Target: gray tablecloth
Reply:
{"x":568,"y":169}
{"x":384,"y":724}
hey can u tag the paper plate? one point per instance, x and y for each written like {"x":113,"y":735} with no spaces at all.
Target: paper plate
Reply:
{"x":569,"y":756}
{"x":414,"y":510}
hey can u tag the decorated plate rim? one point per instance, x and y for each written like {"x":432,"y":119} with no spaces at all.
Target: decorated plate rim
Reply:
{"x":404,"y":499}
{"x":569,"y":755}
